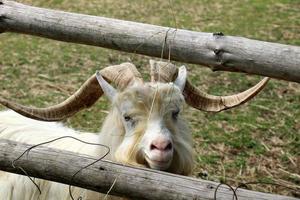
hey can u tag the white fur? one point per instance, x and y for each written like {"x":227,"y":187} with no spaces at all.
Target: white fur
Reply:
{"x":117,"y":133}
{"x":18,"y":128}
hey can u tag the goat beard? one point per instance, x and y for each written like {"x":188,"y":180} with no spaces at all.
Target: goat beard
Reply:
{"x":131,"y":156}
{"x":180,"y":164}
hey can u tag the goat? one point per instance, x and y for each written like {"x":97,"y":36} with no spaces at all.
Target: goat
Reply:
{"x":143,"y":128}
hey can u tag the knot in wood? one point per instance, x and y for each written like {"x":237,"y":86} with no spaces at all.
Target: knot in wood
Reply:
{"x":219,"y":55}
{"x":210,"y":187}
{"x":218,"y":34}
{"x":102,"y":169}
{"x":218,"y":51}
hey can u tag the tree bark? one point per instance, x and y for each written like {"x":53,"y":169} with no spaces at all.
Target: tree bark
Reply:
{"x":132,"y":182}
{"x":216,"y":51}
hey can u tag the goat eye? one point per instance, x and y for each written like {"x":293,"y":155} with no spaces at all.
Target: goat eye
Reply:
{"x":175,"y":114}
{"x":127,"y":118}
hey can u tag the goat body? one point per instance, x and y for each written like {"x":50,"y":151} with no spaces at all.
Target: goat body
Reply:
{"x":18,"y":128}
{"x":144,"y":120}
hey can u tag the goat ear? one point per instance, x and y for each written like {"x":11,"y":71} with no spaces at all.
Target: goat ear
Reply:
{"x":181,"y":78}
{"x":108,"y":90}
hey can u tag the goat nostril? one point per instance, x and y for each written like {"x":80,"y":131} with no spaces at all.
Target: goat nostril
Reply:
{"x":152,"y":147}
{"x":169,"y":146}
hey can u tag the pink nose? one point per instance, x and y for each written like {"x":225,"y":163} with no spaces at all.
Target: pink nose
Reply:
{"x":161,"y":145}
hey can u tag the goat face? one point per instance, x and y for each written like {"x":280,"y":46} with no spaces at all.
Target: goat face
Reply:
{"x":154,"y":134}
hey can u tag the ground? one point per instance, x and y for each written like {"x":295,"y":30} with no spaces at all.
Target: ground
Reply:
{"x":259,"y":141}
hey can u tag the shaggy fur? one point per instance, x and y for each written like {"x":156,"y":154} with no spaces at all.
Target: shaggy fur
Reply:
{"x":143,"y":103}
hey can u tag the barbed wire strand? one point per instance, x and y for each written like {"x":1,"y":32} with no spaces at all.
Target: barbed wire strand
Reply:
{"x":231,"y":188}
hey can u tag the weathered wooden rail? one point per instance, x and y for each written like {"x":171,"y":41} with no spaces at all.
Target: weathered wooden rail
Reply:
{"x":136,"y":183}
{"x":216,"y":51}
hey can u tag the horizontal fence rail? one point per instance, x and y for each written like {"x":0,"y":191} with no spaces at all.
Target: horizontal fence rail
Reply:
{"x":135,"y":183}
{"x":214,"y":50}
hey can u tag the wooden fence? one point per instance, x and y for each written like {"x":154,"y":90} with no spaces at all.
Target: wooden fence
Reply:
{"x":136,"y":183}
{"x":213,"y":50}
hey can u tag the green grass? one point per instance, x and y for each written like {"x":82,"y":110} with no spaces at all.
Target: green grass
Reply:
{"x":254,"y":142}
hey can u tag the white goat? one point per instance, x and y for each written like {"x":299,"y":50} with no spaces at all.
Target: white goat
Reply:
{"x":143,"y":128}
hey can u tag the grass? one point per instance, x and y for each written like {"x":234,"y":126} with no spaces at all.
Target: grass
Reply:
{"x":259,"y":141}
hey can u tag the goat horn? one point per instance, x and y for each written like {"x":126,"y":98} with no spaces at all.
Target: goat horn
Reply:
{"x":206,"y":102}
{"x":167,"y":72}
{"x":121,"y":75}
{"x":162,"y":71}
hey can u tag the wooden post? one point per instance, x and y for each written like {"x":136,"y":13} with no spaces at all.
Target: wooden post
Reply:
{"x":214,"y":50}
{"x":131,"y":182}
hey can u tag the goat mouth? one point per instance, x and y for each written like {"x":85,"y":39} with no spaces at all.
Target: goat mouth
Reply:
{"x":158,"y":164}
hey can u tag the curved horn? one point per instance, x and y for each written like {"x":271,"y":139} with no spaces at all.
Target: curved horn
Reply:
{"x":162,"y":71}
{"x":206,"y":102}
{"x":121,"y":75}
{"x":167,"y":72}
